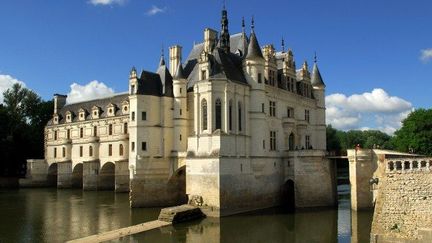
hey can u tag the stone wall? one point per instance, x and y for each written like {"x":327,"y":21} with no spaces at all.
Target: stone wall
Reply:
{"x":403,"y":210}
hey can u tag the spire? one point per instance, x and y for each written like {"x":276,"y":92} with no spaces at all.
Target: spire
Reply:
{"x":162,"y":59}
{"x":224,"y":38}
{"x":316,"y":79}
{"x":180,"y":72}
{"x":283,"y":45}
{"x":243,"y":26}
{"x":254,"y":50}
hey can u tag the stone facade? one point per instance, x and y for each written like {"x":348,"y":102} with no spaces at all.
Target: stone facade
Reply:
{"x":403,"y":210}
{"x":233,"y":128}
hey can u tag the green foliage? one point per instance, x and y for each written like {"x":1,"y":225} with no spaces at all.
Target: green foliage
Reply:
{"x":416,"y":133}
{"x":23,"y":117}
{"x":340,"y":140}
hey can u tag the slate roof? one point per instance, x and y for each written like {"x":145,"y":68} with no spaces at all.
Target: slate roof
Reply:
{"x":102,"y":103}
{"x":316,"y":79}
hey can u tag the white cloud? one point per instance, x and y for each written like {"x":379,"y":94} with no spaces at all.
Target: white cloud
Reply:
{"x":6,"y":82}
{"x":426,"y":55}
{"x":370,"y":110}
{"x":90,"y":91}
{"x":107,"y":2}
{"x":155,"y":10}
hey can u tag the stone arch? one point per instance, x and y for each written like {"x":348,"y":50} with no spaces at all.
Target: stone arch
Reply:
{"x":177,"y":185}
{"x":77,"y":176}
{"x":288,"y":195}
{"x":106,"y":178}
{"x":52,"y":174}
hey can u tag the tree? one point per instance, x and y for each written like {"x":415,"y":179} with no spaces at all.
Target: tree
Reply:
{"x":333,"y":141}
{"x":22,"y":119}
{"x":415,"y":135}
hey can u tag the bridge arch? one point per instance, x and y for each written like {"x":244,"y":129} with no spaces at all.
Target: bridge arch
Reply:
{"x":52,"y":174}
{"x":77,"y":176}
{"x":106,"y":180}
{"x":177,"y":184}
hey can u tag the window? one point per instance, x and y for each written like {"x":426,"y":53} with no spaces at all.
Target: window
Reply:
{"x":180,"y":137}
{"x":307,"y":142}
{"x":121,"y":149}
{"x":291,"y":142}
{"x":81,"y":151}
{"x":180,"y":112}
{"x":133,"y":146}
{"x":203,"y":74}
{"x":204,"y":114}
{"x":64,"y":152}
{"x":239,"y":117}
{"x":125,"y":128}
{"x":90,"y":151}
{"x":272,"y":108}
{"x":307,"y":115}
{"x":230,"y":115}
{"x":55,"y":152}
{"x":290,"y":112}
{"x":263,"y":144}
{"x":55,"y":135}
{"x":81,"y":132}
{"x":132,"y":89}
{"x":262,"y":108}
{"x":218,"y":108}
{"x":110,"y":129}
{"x":144,"y":146}
{"x":143,"y":115}
{"x":109,"y":149}
{"x":259,"y":78}
{"x":180,"y":90}
{"x":68,"y":134}
{"x":133,"y":115}
{"x":272,"y":140}
{"x":94,"y":131}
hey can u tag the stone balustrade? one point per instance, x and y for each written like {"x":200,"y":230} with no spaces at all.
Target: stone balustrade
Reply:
{"x":408,"y":165}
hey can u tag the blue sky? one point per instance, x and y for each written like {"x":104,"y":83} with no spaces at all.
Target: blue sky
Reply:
{"x":378,"y":51}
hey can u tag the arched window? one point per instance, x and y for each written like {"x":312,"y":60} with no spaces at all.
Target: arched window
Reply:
{"x":110,"y":129}
{"x":230,"y":111}
{"x":239,"y":116}
{"x":121,"y":149}
{"x":204,"y":114}
{"x":291,"y":142}
{"x":90,"y":151}
{"x":218,"y":108}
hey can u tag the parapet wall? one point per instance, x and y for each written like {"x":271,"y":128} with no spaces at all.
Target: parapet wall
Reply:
{"x":403,"y":210}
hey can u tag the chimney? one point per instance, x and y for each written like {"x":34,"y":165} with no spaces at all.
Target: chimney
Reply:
{"x":210,"y":38}
{"x":59,"y":102}
{"x":175,"y":58}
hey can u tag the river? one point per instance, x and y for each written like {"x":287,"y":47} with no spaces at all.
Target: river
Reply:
{"x":51,"y":215}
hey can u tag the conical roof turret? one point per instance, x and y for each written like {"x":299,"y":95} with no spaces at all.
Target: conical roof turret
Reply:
{"x":316,"y":79}
{"x":254,"y":49}
{"x":180,"y":72}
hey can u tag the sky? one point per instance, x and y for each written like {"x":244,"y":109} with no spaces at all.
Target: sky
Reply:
{"x":375,"y":56}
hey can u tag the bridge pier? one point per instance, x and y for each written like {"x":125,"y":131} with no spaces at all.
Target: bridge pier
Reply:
{"x":122,"y":176}
{"x":90,"y":175}
{"x":64,"y":174}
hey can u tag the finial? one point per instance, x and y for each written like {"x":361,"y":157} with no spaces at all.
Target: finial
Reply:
{"x":283,"y":45}
{"x":243,"y":24}
{"x":253,"y":24}
{"x":315,"y":58}
{"x":162,"y":50}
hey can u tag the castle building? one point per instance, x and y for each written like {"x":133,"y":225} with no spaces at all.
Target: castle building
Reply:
{"x":233,"y":127}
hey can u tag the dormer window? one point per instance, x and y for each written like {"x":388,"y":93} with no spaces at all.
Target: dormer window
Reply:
{"x":69,"y":116}
{"x":56,"y":119}
{"x":95,"y":112}
{"x":125,"y":107}
{"x":111,"y":108}
{"x":82,"y":114}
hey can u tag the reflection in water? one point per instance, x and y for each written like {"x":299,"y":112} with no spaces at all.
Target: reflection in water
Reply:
{"x":48,"y":215}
